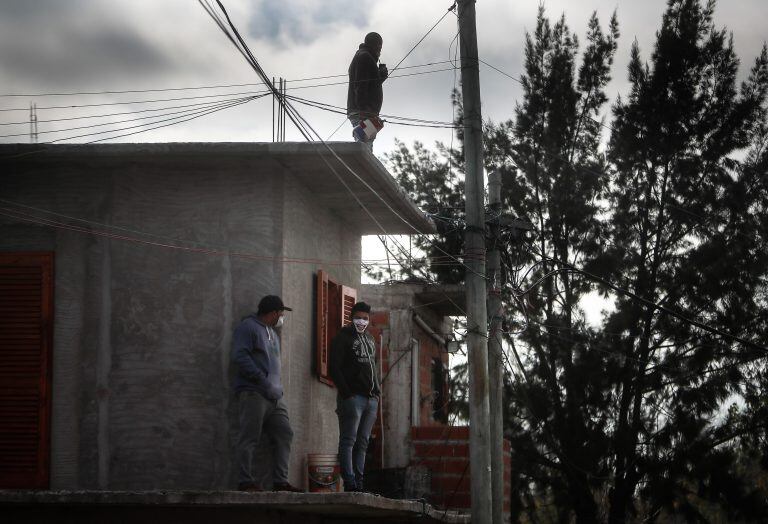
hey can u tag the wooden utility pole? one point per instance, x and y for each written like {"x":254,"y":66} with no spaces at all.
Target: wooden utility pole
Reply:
{"x":474,"y":245}
{"x":495,"y":355}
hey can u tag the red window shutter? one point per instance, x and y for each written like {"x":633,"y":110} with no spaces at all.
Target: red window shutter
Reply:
{"x":332,"y":311}
{"x":26,"y":329}
{"x":335,"y":309}
{"x":349,"y":297}
{"x":321,"y":318}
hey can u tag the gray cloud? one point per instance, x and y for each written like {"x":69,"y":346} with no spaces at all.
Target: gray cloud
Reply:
{"x":305,"y":22}
{"x":66,"y":42}
{"x":70,"y":56}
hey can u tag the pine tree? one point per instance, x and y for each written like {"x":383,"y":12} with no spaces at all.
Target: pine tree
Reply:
{"x":557,"y":181}
{"x":679,"y":235}
{"x":629,"y":420}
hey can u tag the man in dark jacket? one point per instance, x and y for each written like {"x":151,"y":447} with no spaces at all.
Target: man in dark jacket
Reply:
{"x":365,"y":94}
{"x":353,"y":369}
{"x":259,"y":390}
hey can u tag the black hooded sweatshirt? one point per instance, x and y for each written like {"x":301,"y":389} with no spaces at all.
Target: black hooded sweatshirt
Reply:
{"x":364,"y":95}
{"x":352,"y":364}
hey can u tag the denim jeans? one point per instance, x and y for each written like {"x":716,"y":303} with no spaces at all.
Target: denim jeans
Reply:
{"x":258,"y":416}
{"x":356,"y":417}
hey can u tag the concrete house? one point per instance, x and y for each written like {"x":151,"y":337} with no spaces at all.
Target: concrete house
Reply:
{"x":124,"y":269}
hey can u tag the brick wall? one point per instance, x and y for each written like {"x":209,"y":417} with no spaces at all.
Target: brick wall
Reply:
{"x":445,"y":452}
{"x":379,"y":322}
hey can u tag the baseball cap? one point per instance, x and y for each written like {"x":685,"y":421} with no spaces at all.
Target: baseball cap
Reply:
{"x":272,"y":303}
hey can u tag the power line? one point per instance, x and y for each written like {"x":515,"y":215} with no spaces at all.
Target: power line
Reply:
{"x":406,"y":120}
{"x":175,"y":120}
{"x":197,"y":97}
{"x":195,"y":88}
{"x":450,"y":10}
{"x":127,"y":102}
{"x":198,"y":113}
{"x":305,"y":128}
{"x":105,"y":115}
{"x":184,"y":112}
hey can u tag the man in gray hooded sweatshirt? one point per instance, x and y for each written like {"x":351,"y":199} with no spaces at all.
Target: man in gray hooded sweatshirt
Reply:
{"x":259,"y":390}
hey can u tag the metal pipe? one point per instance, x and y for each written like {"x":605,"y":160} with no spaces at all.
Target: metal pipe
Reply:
{"x":429,"y":331}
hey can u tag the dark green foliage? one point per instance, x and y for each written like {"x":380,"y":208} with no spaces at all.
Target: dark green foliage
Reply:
{"x":629,"y":420}
{"x":435,"y":182}
{"x":680,"y":212}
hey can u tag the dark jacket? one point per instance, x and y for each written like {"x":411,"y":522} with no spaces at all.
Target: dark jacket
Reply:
{"x":352,"y":364}
{"x":256,"y":355}
{"x":364,"y":94}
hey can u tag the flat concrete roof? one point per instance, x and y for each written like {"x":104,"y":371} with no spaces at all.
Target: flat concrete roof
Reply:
{"x":226,"y":504}
{"x":332,"y":180}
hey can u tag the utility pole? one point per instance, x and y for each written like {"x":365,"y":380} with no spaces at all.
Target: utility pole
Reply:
{"x":278,"y":135}
{"x":495,"y":363}
{"x":474,"y":245}
{"x":33,"y":123}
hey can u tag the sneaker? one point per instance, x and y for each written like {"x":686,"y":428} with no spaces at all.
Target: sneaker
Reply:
{"x":285,"y":486}
{"x":251,"y":488}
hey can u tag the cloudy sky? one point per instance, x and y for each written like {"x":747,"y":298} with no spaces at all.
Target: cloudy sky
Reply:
{"x":55,"y":46}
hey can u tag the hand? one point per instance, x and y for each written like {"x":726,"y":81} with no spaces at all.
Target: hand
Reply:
{"x":274,"y":393}
{"x":383,"y":72}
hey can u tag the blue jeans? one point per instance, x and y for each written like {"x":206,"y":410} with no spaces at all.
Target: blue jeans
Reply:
{"x":356,"y":417}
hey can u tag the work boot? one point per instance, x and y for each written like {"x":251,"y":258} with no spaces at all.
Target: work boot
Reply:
{"x":285,"y":486}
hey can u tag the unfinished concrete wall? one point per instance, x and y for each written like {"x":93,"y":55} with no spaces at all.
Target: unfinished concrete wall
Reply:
{"x":314,"y":233}
{"x":141,"y":393}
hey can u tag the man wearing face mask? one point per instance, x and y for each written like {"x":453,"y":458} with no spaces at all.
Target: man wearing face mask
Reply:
{"x":352,"y":367}
{"x":259,"y":390}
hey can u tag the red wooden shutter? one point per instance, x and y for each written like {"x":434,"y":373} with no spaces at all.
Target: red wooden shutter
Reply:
{"x":332,"y":311}
{"x":348,"y":299}
{"x":321,"y":318}
{"x":26,"y":326}
{"x":335,"y":309}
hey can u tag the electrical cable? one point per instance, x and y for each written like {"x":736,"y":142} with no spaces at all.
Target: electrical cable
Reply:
{"x":194,"y":88}
{"x":198,"y":113}
{"x":184,"y":111}
{"x":450,"y":9}
{"x":128,"y":102}
{"x":105,"y":115}
{"x":305,"y":128}
{"x":340,"y":110}
{"x":176,"y":120}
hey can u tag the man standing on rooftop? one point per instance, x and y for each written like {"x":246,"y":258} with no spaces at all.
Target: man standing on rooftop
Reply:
{"x":365,"y":94}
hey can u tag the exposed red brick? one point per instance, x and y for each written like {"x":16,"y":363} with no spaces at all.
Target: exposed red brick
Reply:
{"x":440,"y":433}
{"x":382,"y":317}
{"x":441,"y":450}
{"x":458,"y":500}
{"x":446,"y":465}
{"x":450,"y":483}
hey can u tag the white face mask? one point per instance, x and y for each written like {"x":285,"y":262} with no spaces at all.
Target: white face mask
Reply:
{"x":360,"y":324}
{"x":279,"y":322}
